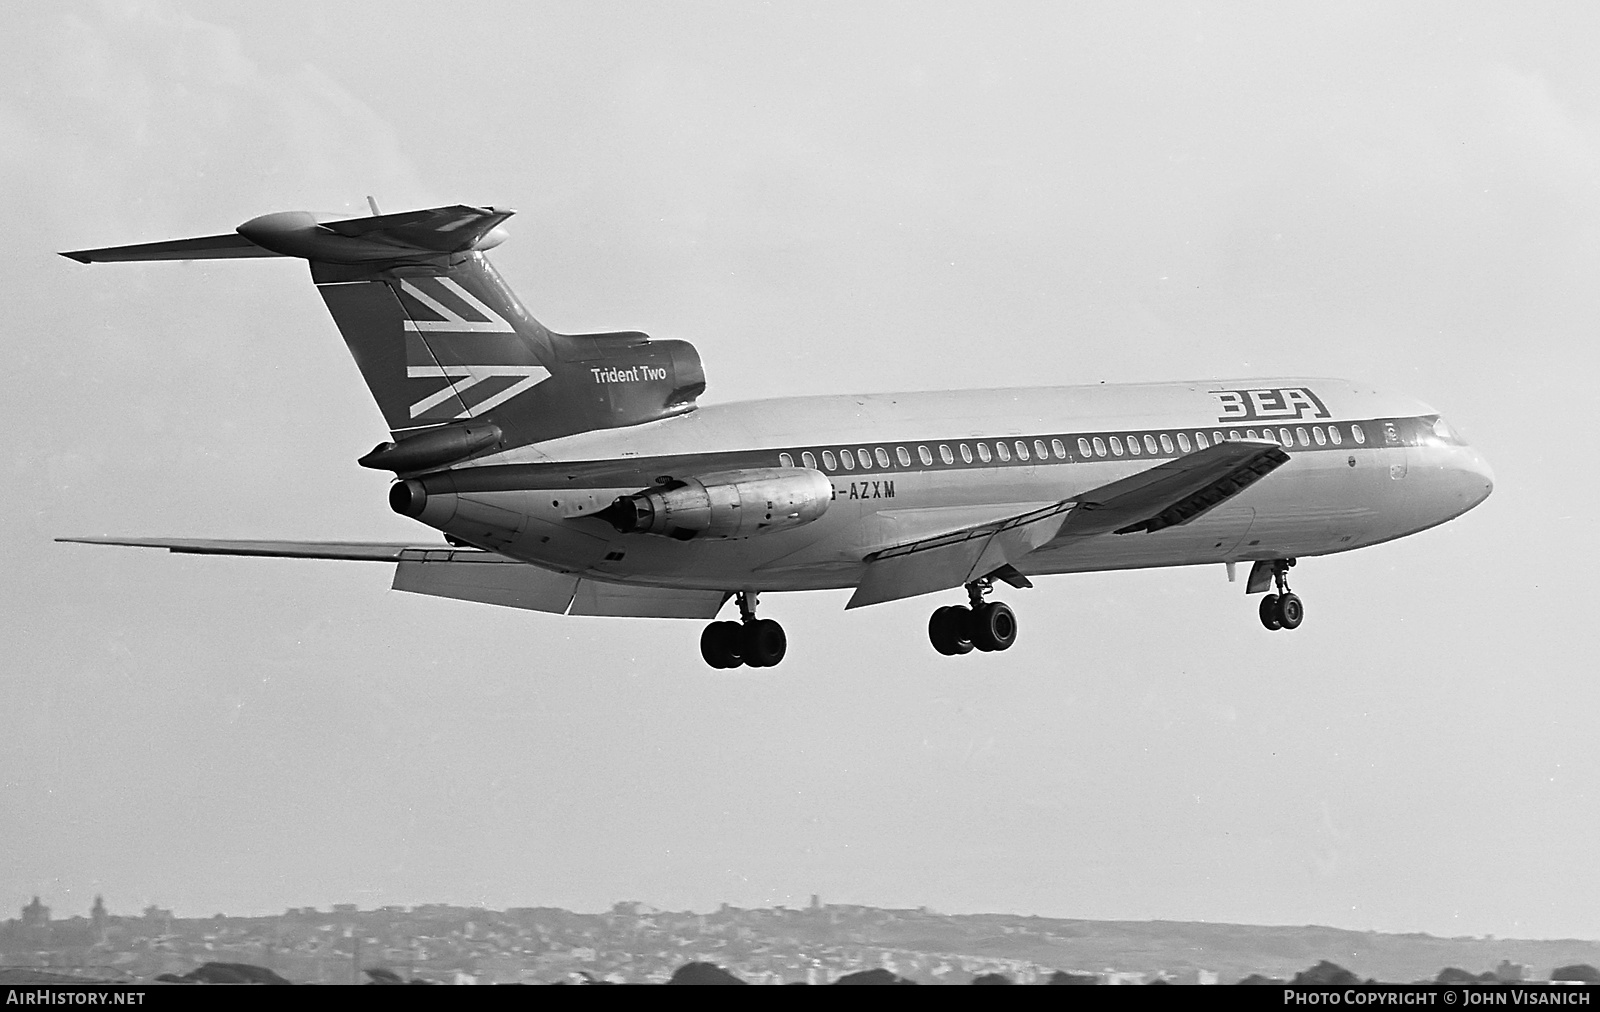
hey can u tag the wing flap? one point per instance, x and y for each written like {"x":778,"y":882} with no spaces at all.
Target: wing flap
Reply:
{"x":485,"y":578}
{"x":596,"y":597}
{"x":951,"y":560}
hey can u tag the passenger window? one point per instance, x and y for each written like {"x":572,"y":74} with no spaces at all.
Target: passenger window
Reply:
{"x":966,"y":454}
{"x":1084,"y":449}
{"x":1334,"y":435}
{"x":1200,"y":440}
{"x":848,"y":459}
{"x":808,"y":460}
{"x":1251,"y":434}
{"x":945,"y":454}
{"x":827,"y":459}
{"x":1150,"y":443}
{"x":1133,"y":445}
{"x":1022,"y":449}
{"x":983,"y":452}
{"x":1116,"y":446}
{"x":1099,"y":447}
{"x":1316,"y":433}
{"x":1001,"y":450}
{"x":924,"y":456}
{"x":785,"y":460}
{"x":1234,"y":437}
{"x":865,"y":458}
{"x":1300,"y":433}
{"x":1166,"y":443}
{"x":1285,"y":438}
{"x":883,"y":456}
{"x":903,"y":455}
{"x":1183,"y":442}
{"x":1355,"y":430}
{"x":1042,"y":450}
{"x":1216,"y":437}
{"x":1061,"y":450}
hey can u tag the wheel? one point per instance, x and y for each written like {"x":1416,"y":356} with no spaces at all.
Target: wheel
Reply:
{"x":721,"y":644}
{"x":948,"y":631}
{"x":1290,"y":611}
{"x":994,"y":626}
{"x":1269,"y":612}
{"x":764,"y":643}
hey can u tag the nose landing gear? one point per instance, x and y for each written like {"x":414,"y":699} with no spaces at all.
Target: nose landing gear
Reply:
{"x":1283,"y":609}
{"x":984,"y":626}
{"x":757,"y":642}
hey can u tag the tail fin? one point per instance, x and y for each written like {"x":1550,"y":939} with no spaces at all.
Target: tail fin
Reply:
{"x":441,"y":340}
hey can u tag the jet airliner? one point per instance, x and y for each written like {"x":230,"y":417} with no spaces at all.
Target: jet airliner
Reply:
{"x":577,"y":474}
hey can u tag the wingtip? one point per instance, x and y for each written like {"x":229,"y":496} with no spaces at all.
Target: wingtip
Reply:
{"x":80,"y":256}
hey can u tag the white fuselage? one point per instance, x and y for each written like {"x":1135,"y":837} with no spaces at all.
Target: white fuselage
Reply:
{"x":1364,"y":467}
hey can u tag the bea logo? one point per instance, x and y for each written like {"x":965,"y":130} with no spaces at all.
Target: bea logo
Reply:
{"x":1278,"y":402}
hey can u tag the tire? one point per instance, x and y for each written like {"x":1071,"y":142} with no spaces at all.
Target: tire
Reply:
{"x":1269,"y":612}
{"x":1290,"y":611}
{"x":720,"y":645}
{"x":994,"y":626}
{"x":764,"y":643}
{"x":947,"y":631}
{"x":939,"y":632}
{"x":959,"y":619}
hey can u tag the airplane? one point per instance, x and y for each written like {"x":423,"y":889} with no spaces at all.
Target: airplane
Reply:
{"x":577,"y":474}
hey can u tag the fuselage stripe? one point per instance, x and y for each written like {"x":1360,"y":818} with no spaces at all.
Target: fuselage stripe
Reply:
{"x":885,"y":458}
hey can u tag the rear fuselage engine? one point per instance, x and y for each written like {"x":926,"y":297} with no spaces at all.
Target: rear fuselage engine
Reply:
{"x":724,"y":504}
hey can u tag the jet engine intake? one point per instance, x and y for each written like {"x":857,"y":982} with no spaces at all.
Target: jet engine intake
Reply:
{"x":724,"y":504}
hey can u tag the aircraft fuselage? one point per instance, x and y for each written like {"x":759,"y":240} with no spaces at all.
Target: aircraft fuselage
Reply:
{"x":1364,"y":468}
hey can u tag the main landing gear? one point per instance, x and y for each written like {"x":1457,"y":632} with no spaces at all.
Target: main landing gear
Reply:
{"x":1282,"y":610}
{"x":983,"y":626}
{"x":758,"y":642}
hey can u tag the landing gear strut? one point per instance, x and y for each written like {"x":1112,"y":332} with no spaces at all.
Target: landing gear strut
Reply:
{"x":758,"y":642}
{"x":983,"y":626}
{"x":1283,"y":609}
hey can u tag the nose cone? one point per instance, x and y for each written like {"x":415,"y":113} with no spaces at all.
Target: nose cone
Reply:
{"x":1477,"y":472}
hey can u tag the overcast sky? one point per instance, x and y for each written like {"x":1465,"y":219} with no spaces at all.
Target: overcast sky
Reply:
{"x":822,"y":198}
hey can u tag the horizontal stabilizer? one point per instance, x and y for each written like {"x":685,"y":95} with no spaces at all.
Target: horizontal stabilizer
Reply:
{"x":350,"y":551}
{"x":452,"y":229}
{"x":207,"y":247}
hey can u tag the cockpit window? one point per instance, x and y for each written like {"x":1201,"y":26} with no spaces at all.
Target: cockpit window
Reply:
{"x":1439,"y":430}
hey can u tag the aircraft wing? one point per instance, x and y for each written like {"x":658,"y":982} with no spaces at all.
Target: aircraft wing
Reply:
{"x":465,"y":574}
{"x":358,"y":551}
{"x":1176,"y":491}
{"x":1169,"y":494}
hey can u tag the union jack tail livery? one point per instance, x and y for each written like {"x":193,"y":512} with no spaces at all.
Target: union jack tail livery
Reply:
{"x":457,"y":365}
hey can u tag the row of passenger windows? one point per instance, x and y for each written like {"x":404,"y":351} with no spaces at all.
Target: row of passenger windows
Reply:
{"x":1089,"y":447}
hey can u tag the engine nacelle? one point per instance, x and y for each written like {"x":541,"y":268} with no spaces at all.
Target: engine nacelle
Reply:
{"x":725,"y":504}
